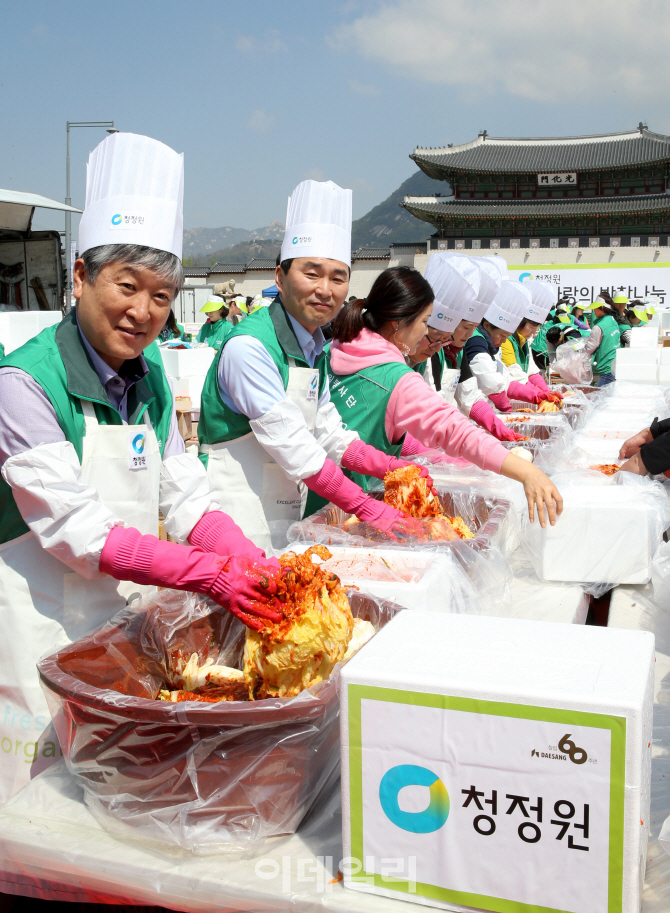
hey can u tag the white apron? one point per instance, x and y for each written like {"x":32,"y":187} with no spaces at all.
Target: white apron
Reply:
{"x":250,"y":486}
{"x":44,"y":605}
{"x":450,"y":378}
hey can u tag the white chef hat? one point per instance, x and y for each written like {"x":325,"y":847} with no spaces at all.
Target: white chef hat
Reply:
{"x":544,"y":296}
{"x":492,"y":274}
{"x":134,"y":195}
{"x":318,"y":222}
{"x":455,"y":284}
{"x":509,"y":305}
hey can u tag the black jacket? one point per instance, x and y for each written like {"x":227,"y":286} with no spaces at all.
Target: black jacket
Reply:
{"x":656,"y":455}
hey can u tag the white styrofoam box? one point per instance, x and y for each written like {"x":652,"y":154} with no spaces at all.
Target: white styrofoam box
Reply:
{"x":600,"y":450}
{"x":187,"y":362}
{"x":411,"y":578}
{"x":620,"y":389}
{"x":664,"y":356}
{"x":641,"y":374}
{"x":615,"y":425}
{"x":180,"y":386}
{"x":195,"y":385}
{"x":604,"y":535}
{"x":637,"y":356}
{"x":644,"y":337}
{"x":17,"y":327}
{"x":664,"y":374}
{"x":445,"y":719}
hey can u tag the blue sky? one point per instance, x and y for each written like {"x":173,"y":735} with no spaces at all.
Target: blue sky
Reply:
{"x":260,"y":95}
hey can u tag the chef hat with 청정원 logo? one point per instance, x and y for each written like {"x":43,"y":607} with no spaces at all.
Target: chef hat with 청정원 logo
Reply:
{"x":509,"y":305}
{"x":318,"y":222}
{"x":134,"y":195}
{"x":544,"y":296}
{"x":455,"y":283}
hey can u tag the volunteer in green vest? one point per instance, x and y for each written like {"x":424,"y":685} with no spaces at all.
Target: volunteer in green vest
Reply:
{"x":90,"y":452}
{"x":603,"y":342}
{"x":268,"y":430}
{"x":516,"y":352}
{"x":171,"y":329}
{"x":390,"y":405}
{"x":619,"y":305}
{"x":637,"y":314}
{"x":217,"y":328}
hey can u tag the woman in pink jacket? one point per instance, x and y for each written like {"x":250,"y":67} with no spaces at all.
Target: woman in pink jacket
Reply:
{"x":392,"y":408}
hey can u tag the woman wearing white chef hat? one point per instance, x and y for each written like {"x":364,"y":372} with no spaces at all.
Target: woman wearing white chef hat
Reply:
{"x":492,"y":381}
{"x":268,"y":431}
{"x":90,"y":451}
{"x":516,"y":352}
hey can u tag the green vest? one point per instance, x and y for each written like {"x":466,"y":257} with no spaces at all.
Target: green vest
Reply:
{"x":521,"y":351}
{"x":57,"y":359}
{"x":361,"y":399}
{"x":215,"y":334}
{"x":273,"y":329}
{"x":539,"y":344}
{"x":606,"y":351}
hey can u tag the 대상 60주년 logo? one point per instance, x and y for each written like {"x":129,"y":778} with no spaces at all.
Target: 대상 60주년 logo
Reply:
{"x":566,"y":747}
{"x":425,"y":822}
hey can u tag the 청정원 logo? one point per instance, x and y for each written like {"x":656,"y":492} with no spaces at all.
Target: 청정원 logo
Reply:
{"x":425,"y":822}
{"x":138,"y":443}
{"x":524,"y":276}
{"x":117,"y":219}
{"x":295,"y":240}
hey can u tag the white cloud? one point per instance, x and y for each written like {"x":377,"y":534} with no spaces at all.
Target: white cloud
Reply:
{"x":541,"y":50}
{"x":260,"y":121}
{"x":362,"y":88}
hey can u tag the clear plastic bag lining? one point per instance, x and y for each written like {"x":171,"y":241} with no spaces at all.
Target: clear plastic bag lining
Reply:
{"x":204,"y":777}
{"x":574,"y":365}
{"x":576,"y":408}
{"x":610,"y":531}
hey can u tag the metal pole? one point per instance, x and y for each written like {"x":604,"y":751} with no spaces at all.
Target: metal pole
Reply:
{"x":68,"y":225}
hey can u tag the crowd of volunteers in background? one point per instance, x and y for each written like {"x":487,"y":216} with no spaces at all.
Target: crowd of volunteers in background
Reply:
{"x":307,"y":399}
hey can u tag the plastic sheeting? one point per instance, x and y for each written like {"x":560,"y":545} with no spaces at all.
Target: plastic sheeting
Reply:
{"x":609,"y":532}
{"x":204,"y":777}
{"x":573,"y":364}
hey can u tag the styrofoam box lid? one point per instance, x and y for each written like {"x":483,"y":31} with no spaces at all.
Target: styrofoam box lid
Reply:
{"x":623,"y":390}
{"x":643,"y":337}
{"x":508,"y":659}
{"x":187,"y":362}
{"x":637,"y":356}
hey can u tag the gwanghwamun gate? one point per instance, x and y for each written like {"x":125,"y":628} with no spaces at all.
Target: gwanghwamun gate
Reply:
{"x":585,"y":212}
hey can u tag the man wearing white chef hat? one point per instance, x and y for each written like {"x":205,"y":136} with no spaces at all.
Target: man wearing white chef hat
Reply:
{"x":268,"y":431}
{"x":90,"y":451}
{"x":516,"y":352}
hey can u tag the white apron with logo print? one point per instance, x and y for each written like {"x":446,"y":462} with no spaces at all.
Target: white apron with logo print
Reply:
{"x":253,"y":489}
{"x":45,"y":605}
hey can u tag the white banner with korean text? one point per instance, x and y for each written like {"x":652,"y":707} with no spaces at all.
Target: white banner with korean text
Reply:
{"x":584,"y":282}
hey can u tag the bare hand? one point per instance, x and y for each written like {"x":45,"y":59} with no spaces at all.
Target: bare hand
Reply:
{"x":541,"y":493}
{"x":632,"y":446}
{"x":634,"y":464}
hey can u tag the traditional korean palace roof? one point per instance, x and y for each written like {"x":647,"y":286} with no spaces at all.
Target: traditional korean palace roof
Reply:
{"x":431,"y":208}
{"x":371,"y":253}
{"x":509,"y":155}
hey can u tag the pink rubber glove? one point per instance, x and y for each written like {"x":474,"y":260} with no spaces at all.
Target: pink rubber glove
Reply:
{"x":412,"y":447}
{"x":538,"y":381}
{"x":331,"y":483}
{"x":368,"y":461}
{"x":246,"y":588}
{"x":527,"y":393}
{"x":501,"y":402}
{"x":217,"y":532}
{"x":483,"y":414}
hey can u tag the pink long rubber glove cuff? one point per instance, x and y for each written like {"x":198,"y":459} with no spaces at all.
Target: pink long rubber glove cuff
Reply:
{"x":368,"y":461}
{"x":501,"y":402}
{"x":483,"y":414}
{"x":217,"y":532}
{"x":412,"y":447}
{"x":538,"y":381}
{"x":527,"y":393}
{"x":245,"y":587}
